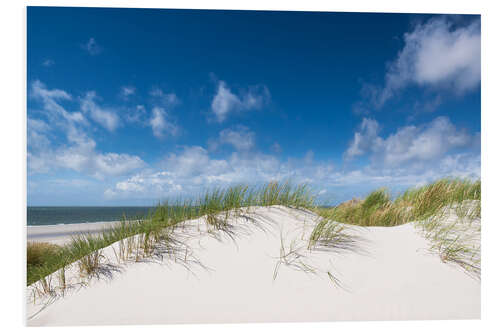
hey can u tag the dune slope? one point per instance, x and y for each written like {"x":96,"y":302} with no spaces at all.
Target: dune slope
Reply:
{"x":388,"y":275}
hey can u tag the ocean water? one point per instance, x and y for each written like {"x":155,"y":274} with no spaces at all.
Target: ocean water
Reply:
{"x":70,"y":215}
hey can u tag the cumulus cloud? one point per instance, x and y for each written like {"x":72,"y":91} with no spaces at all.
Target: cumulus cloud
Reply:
{"x":240,"y":137}
{"x":193,"y":170}
{"x":436,"y":54}
{"x":161,"y":125}
{"x":158,"y":118}
{"x":92,"y":47}
{"x":226,"y":102}
{"x":107,"y":118}
{"x":364,"y":139}
{"x":194,"y":161}
{"x":460,"y":165}
{"x":79,"y":152}
{"x":79,"y":155}
{"x":84,"y":158}
{"x":415,"y":144}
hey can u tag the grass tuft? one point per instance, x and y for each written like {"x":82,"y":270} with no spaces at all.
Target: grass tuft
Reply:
{"x":39,"y":252}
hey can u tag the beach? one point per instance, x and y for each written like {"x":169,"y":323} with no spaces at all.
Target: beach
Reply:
{"x":387,"y":273}
{"x":62,"y":233}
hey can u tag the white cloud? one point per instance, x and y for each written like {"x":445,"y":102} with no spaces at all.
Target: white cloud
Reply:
{"x":38,"y":162}
{"x":454,"y":165}
{"x":461,"y":165}
{"x":194,"y":161}
{"x":136,"y":115}
{"x":415,"y":144}
{"x":38,"y":125}
{"x":40,"y":155}
{"x":167,"y":100}
{"x":127,"y":91}
{"x":37,"y":134}
{"x":240,"y":137}
{"x":436,"y":54}
{"x":92,"y":47}
{"x":365,"y":139}
{"x":39,"y":90}
{"x":194,"y":170}
{"x":160,"y":120}
{"x":161,"y":125}
{"x":51,"y":100}
{"x":79,"y":153}
{"x":423,"y":143}
{"x":226,"y":102}
{"x":83,"y":157}
{"x":107,"y":118}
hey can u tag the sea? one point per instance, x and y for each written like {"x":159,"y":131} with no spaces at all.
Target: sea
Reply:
{"x":70,"y":215}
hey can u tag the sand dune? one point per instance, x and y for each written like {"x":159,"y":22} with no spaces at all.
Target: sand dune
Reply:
{"x":388,"y":274}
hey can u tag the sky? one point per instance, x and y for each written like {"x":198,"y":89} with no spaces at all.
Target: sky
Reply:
{"x":134,"y":106}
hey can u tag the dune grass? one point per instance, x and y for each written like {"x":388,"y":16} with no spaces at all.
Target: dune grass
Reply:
{"x":447,"y":211}
{"x":415,"y":204}
{"x":38,"y":254}
{"x":138,"y":238}
{"x":215,"y":206}
{"x":455,"y":234}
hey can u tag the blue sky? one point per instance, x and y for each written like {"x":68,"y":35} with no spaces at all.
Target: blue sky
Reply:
{"x":131,"y":106}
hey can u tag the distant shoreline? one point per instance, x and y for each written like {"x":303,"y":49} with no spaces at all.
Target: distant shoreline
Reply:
{"x":85,"y":206}
{"x":60,"y":224}
{"x":62,"y":233}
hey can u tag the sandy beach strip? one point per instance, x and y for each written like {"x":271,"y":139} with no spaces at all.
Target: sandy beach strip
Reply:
{"x":389,"y":275}
{"x":62,"y":233}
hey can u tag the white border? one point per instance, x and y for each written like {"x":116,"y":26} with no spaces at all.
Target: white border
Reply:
{"x":13,"y":139}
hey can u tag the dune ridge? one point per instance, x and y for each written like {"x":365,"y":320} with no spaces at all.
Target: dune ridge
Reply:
{"x":262,"y":269}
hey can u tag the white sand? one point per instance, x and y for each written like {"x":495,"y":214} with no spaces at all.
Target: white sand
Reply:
{"x":391,"y":276}
{"x":62,"y":233}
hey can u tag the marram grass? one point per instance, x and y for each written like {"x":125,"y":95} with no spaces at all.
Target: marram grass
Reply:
{"x":138,"y":237}
{"x":447,"y":211}
{"x":413,"y":205}
{"x":214,"y":205}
